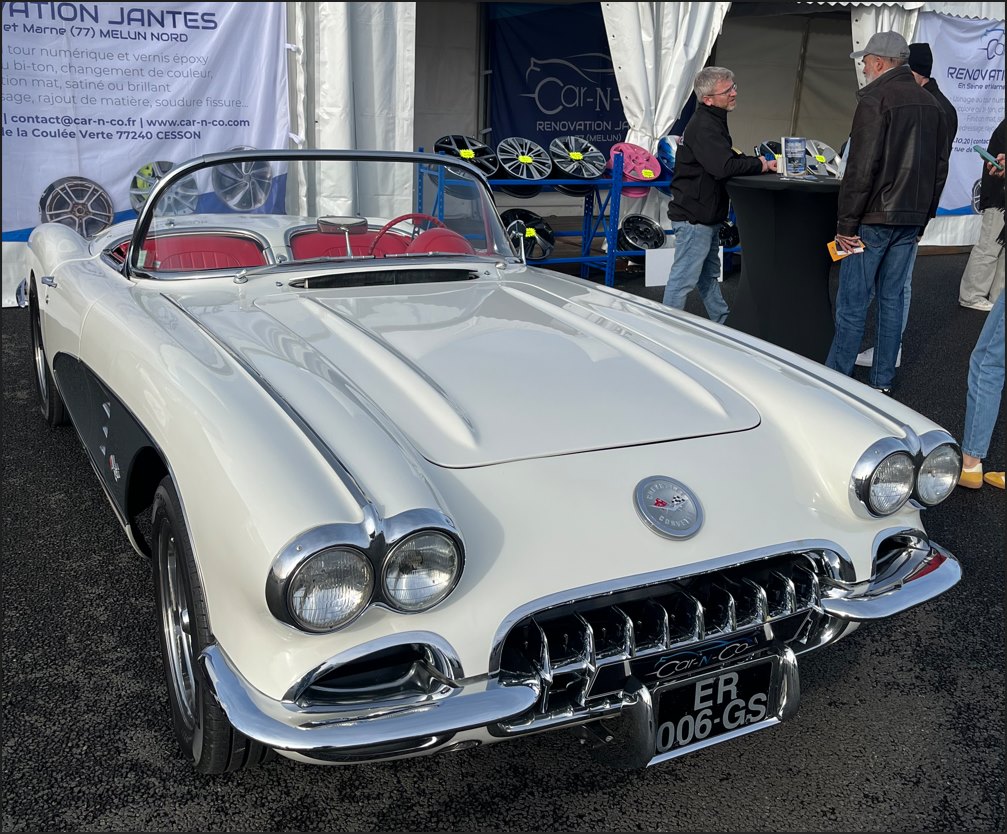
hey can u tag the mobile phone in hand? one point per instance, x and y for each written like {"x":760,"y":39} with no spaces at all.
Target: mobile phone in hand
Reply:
{"x":992,"y":160}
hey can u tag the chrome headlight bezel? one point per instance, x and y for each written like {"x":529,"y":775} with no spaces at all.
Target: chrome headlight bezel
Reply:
{"x":374,"y":540}
{"x":916,"y":448}
{"x":954,"y":452}
{"x":354,"y":560}
{"x":397,"y":551}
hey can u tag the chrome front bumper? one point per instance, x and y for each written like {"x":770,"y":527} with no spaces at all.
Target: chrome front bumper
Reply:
{"x":467,"y":711}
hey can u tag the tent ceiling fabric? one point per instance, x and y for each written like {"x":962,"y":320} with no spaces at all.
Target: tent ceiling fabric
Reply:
{"x":980,"y":11}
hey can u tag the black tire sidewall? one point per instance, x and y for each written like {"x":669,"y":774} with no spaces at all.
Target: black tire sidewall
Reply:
{"x":50,"y":404}
{"x":198,"y":742}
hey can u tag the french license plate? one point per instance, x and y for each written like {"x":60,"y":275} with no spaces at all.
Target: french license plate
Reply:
{"x":696,"y":711}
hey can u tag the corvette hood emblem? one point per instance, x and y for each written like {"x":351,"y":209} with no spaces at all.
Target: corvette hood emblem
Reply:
{"x":668,"y":507}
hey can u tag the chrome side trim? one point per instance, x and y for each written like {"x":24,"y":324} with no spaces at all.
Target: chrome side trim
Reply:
{"x":926,"y":571}
{"x":284,"y":726}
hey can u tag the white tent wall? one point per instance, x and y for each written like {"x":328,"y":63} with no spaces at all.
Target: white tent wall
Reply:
{"x":448,"y":71}
{"x":794,"y":75}
{"x":657,"y":49}
{"x":355,"y":83}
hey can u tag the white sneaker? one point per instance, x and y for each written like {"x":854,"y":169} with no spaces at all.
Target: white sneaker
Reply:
{"x":983,"y":304}
{"x":866,"y":358}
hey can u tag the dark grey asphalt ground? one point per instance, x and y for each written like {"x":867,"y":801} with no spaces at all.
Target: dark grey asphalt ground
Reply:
{"x":901,"y":726}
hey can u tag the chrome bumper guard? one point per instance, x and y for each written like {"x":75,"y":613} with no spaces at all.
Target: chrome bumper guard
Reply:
{"x":286,"y":726}
{"x":920,"y":571}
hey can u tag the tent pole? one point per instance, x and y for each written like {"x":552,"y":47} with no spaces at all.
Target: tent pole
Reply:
{"x":801,"y":62}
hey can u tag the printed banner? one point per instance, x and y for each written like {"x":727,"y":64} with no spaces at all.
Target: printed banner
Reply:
{"x":100,"y":100}
{"x":551,"y":75}
{"x":969,"y":69}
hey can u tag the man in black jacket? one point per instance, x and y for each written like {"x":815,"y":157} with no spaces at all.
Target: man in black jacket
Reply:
{"x":896,"y":165}
{"x":921,"y":62}
{"x":699,"y":204}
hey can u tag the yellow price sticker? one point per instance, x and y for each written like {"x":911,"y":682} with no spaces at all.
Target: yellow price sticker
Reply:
{"x":524,"y":159}
{"x":647,"y":174}
{"x":820,"y":158}
{"x":530,"y":233}
{"x":467,"y":153}
{"x":576,"y":155}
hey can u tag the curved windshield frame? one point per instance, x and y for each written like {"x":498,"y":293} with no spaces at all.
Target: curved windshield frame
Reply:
{"x":243,"y":210}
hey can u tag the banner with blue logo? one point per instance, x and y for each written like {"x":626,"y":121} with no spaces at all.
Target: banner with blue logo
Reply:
{"x":969,"y":69}
{"x":551,"y":75}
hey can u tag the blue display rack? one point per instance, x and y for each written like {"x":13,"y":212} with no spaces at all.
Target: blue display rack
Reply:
{"x":602,"y":205}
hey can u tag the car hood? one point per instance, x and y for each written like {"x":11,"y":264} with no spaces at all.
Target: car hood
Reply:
{"x":484,"y":372}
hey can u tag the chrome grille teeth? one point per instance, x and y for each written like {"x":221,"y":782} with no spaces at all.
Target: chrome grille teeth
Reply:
{"x":782,"y":596}
{"x":566,"y":651}
{"x":806,"y":586}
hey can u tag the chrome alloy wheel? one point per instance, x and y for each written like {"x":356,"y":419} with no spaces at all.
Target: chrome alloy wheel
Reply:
{"x":38,"y":353}
{"x":79,"y":203}
{"x":177,"y":627}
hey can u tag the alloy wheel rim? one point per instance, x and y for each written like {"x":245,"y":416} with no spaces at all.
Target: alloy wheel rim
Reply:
{"x":40,"y":367}
{"x":177,"y":628}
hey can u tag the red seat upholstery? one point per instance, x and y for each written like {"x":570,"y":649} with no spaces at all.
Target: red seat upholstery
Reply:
{"x":312,"y":244}
{"x":193,"y":253}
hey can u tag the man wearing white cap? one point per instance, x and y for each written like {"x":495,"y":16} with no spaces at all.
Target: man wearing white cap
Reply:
{"x":896,"y":165}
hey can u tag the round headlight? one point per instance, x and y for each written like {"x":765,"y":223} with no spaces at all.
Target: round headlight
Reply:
{"x":891,"y":484}
{"x":330,"y":589}
{"x":420,"y":571}
{"x":938,"y":474}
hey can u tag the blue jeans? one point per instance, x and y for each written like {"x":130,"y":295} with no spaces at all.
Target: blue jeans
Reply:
{"x":697,"y":264}
{"x":986,"y":383}
{"x":907,"y":292}
{"x":881,"y":269}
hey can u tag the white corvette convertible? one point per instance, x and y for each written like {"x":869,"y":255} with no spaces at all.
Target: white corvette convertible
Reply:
{"x":405,"y":493}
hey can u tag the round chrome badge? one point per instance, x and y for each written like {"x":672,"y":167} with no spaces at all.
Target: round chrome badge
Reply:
{"x":668,"y":507}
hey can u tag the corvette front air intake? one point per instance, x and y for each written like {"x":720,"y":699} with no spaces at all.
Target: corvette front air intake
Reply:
{"x":584,"y":651}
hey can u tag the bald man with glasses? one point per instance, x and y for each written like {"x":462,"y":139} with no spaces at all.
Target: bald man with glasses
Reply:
{"x":704,"y":162}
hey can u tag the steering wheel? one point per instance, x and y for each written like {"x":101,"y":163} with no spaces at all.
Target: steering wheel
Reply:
{"x":415,"y":217}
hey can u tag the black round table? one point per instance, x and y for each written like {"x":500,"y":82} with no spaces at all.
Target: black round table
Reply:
{"x":783,"y":293}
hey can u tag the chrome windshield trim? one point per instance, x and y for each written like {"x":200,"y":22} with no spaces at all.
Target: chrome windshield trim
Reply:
{"x":284,"y":726}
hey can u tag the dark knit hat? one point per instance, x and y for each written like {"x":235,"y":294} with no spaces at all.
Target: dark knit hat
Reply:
{"x":921,"y":59}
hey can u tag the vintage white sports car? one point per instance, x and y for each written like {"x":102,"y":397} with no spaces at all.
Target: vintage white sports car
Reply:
{"x":404,"y":493}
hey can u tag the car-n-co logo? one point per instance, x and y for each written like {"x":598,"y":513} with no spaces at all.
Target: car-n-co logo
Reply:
{"x":668,"y":507}
{"x":720,"y":652}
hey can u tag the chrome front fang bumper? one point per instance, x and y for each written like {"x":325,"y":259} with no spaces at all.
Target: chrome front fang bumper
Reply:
{"x":923,"y":571}
{"x":286,"y":726}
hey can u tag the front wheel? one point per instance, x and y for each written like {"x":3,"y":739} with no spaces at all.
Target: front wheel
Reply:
{"x":201,"y":727}
{"x":50,"y":402}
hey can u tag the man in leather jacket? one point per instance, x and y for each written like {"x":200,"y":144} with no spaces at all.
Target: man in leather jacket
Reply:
{"x":896,"y":165}
{"x":921,"y":62}
{"x":699,"y":201}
